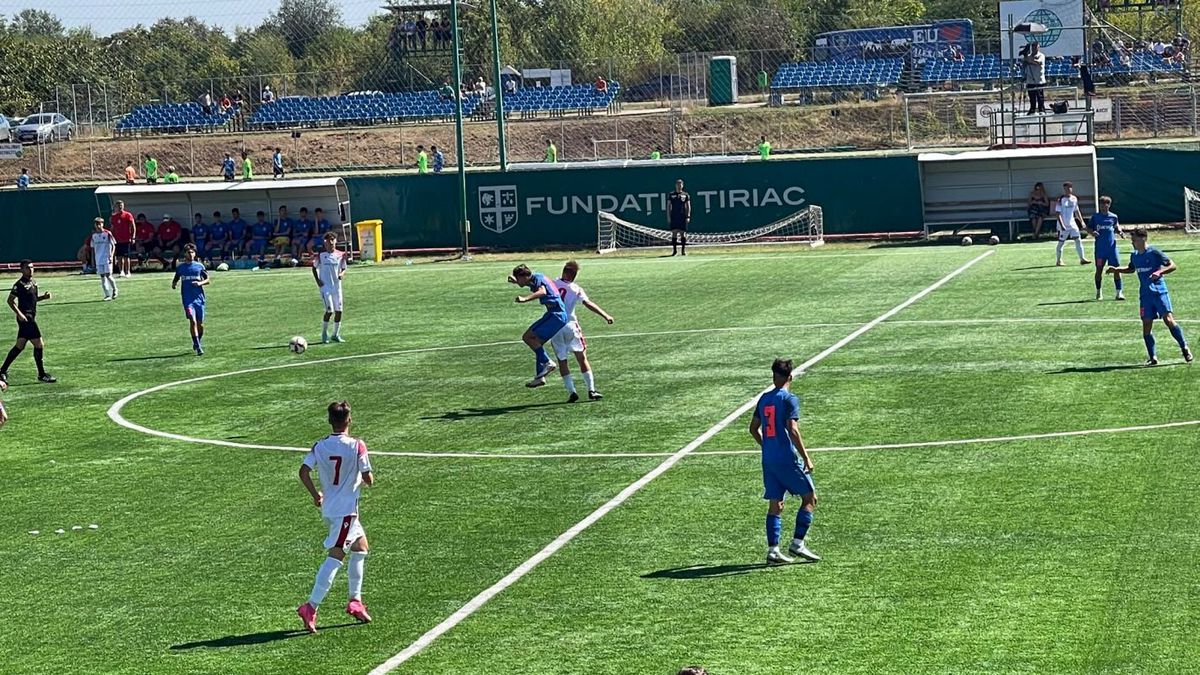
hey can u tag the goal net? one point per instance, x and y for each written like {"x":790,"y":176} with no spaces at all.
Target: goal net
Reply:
{"x":1191,"y":210}
{"x":804,"y":226}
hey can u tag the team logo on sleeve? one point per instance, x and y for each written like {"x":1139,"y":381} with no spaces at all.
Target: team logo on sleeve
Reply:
{"x":498,"y":208}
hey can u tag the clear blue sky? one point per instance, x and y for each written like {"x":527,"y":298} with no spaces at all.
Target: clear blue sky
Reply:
{"x":108,"y":17}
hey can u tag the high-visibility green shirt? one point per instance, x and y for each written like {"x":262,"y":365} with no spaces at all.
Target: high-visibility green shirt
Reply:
{"x":764,"y":149}
{"x":247,"y":169}
{"x":422,"y":162}
{"x":656,"y":155}
{"x":551,"y":153}
{"x":151,"y":167}
{"x":171,"y":178}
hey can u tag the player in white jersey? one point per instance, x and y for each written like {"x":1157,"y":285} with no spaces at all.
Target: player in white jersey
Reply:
{"x":570,"y":339}
{"x":329,"y":268}
{"x":104,"y":248}
{"x":343,"y":466}
{"x":1069,"y":223}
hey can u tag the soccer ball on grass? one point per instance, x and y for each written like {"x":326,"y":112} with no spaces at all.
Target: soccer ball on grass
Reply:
{"x":994,"y":240}
{"x":297,"y":345}
{"x":967,"y":241}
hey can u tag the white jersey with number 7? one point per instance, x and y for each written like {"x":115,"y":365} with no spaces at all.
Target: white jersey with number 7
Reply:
{"x":340,"y":461}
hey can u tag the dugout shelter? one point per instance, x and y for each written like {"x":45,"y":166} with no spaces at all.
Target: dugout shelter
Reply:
{"x":991,"y":187}
{"x":181,"y":200}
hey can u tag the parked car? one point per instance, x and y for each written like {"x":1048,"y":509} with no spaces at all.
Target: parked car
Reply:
{"x":44,"y":128}
{"x":6,"y":127}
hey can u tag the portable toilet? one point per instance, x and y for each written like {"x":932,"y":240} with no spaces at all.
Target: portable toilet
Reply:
{"x":722,"y":80}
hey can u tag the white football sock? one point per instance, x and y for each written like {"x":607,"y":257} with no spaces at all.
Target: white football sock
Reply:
{"x":324,"y":329}
{"x":354,"y":572}
{"x":112,"y":283}
{"x":337,"y":328}
{"x":325,"y":576}
{"x":589,"y":380}
{"x":569,"y":382}
{"x":1058,"y":251}
{"x":104,"y":285}
{"x":1079,"y":249}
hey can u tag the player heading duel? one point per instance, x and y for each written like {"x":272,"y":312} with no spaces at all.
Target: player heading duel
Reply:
{"x":343,"y":466}
{"x":1151,"y":266}
{"x":570,"y":339}
{"x":786,"y":465}
{"x":545,"y":328}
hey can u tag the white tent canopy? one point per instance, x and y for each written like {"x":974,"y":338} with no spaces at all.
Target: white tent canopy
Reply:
{"x":181,"y":200}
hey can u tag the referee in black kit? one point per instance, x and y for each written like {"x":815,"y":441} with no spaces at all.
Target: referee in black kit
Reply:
{"x":679,"y":214}
{"x":23,"y":300}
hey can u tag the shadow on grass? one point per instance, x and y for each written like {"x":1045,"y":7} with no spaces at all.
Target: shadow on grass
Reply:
{"x":709,"y":571}
{"x":73,"y":302}
{"x":1066,"y":302}
{"x":252,"y":638}
{"x":1035,"y":267}
{"x":1109,"y":369}
{"x":471,"y":413}
{"x":151,"y":358}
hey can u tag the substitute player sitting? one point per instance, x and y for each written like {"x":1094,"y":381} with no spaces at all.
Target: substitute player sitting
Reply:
{"x":343,"y":467}
{"x":194,"y":278}
{"x":1069,"y":224}
{"x":328,"y":269}
{"x":1151,"y":266}
{"x":786,"y":465}
{"x":1105,"y":229}
{"x":570,"y":339}
{"x":545,"y":328}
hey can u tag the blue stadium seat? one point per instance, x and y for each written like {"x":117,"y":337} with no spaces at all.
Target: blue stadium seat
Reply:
{"x":859,"y":72}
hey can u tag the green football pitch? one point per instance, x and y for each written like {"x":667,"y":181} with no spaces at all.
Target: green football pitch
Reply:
{"x":1003,"y":487}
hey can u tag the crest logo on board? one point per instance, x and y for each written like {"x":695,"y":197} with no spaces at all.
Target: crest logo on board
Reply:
{"x":498,"y":208}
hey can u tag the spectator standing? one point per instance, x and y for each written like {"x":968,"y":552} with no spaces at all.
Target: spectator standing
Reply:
{"x":130,"y":173}
{"x":267,"y":95}
{"x":422,"y":30}
{"x":439,"y":160}
{"x":764,"y":148}
{"x":23,"y":180}
{"x":124,"y":229}
{"x":150,"y":168}
{"x":435,"y":27}
{"x":171,"y":177}
{"x":551,"y":152}
{"x":247,"y":167}
{"x":422,"y":160}
{"x":656,"y":154}
{"x":206,"y":103}
{"x":1035,"y":78}
{"x":410,"y":34}
{"x":1038,"y":208}
{"x":277,"y":165}
{"x":228,"y":168}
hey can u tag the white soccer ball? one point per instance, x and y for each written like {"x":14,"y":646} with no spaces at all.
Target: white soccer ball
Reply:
{"x":994,"y":240}
{"x":967,"y":241}
{"x":223,"y":267}
{"x":297,"y":345}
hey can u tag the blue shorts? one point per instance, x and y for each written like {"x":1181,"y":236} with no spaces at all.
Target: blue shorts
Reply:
{"x":1155,"y":306}
{"x":781,"y":479}
{"x":257,"y":247}
{"x":548,"y":326}
{"x":1107,"y":257}
{"x":194,"y":311}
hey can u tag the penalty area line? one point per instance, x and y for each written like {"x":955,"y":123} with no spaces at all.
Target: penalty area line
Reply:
{"x":565,"y":538}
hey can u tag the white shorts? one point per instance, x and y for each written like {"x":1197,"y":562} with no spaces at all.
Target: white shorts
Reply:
{"x":332,"y":297}
{"x":104,"y":266}
{"x":1068,"y":233}
{"x":344,"y":531}
{"x":568,"y":341}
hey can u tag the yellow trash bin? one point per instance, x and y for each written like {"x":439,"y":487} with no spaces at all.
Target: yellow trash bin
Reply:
{"x":370,"y":239}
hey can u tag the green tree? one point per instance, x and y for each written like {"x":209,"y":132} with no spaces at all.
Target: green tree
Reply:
{"x":302,"y":22}
{"x":36,"y":23}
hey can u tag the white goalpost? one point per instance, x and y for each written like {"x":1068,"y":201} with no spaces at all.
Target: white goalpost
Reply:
{"x":804,"y":226}
{"x":1191,"y":210}
{"x":694,"y":141}
{"x":620,"y":146}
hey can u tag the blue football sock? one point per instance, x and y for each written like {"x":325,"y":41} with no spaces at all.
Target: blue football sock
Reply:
{"x":1120,"y":284}
{"x":803,"y":522}
{"x":1177,"y":333}
{"x":542,"y":358}
{"x":1149,"y":338}
{"x":774,"y":528}
{"x":195,"y":342}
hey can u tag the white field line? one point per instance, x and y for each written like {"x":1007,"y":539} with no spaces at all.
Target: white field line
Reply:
{"x":563,"y":539}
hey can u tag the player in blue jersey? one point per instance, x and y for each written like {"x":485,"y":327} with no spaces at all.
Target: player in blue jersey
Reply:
{"x":194,"y":278}
{"x":1105,"y":229}
{"x":200,"y":235}
{"x":538,"y":334}
{"x":218,"y":238}
{"x":1151,"y":266}
{"x":786,"y":465}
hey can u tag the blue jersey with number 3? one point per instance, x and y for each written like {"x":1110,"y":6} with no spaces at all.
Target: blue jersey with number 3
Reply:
{"x":774,"y":410}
